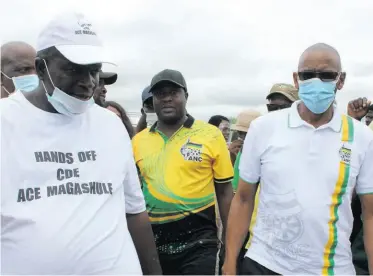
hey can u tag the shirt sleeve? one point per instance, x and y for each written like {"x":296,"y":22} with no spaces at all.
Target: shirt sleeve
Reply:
{"x":222,"y":165}
{"x":364,"y":183}
{"x":250,"y":165}
{"x":134,"y":198}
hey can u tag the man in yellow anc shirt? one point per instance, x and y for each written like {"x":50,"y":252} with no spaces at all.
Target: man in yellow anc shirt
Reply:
{"x":309,"y":159}
{"x":183,"y":162}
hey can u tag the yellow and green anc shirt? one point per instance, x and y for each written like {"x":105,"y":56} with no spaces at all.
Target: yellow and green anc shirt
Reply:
{"x":178,"y":176}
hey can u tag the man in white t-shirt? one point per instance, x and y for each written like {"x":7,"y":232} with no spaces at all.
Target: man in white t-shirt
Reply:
{"x":309,"y":159}
{"x":71,"y":201}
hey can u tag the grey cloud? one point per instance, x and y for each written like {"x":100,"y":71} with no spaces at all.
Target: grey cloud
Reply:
{"x":229,"y":54}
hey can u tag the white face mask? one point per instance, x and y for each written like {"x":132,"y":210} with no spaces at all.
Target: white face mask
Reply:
{"x":151,"y":118}
{"x":64,"y":103}
{"x":25,"y":83}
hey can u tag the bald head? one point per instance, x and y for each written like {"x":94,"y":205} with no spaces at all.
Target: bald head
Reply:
{"x":324,"y":53}
{"x":13,"y":50}
{"x":320,"y":58}
{"x":17,"y":59}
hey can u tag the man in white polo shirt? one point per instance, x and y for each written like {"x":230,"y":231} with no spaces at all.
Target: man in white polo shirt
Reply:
{"x":70,"y":196}
{"x":309,"y":159}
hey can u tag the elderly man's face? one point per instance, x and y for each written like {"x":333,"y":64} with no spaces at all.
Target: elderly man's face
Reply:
{"x":79,"y":81}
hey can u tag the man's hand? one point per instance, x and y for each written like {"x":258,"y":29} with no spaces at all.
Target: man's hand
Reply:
{"x":143,"y":239}
{"x":238,"y":224}
{"x":358,"y":108}
{"x":229,"y":268}
{"x":235,"y":147}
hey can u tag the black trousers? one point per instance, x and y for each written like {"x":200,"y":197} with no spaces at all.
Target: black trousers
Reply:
{"x":197,"y":260}
{"x":251,"y":267}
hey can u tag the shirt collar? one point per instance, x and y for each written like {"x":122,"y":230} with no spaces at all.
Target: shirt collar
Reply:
{"x":188,"y":123}
{"x":294,"y":120}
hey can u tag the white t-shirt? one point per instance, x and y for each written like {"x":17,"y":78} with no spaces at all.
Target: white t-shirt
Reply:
{"x":66,"y":186}
{"x":307,"y":177}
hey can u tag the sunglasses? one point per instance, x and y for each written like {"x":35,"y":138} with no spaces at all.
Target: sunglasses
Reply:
{"x":274,"y":107}
{"x":324,"y":76}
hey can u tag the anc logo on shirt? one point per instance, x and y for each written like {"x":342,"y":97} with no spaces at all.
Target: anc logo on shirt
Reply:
{"x":345,"y":154}
{"x":191,"y":151}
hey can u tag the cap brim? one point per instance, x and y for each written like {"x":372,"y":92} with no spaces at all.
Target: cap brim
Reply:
{"x":281,"y":93}
{"x":146,"y":98}
{"x":108,"y":77}
{"x":164,"y":81}
{"x":239,"y":128}
{"x":84,"y":54}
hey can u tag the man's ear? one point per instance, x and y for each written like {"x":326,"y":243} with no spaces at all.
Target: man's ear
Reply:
{"x":40,"y":68}
{"x":341,"y":81}
{"x":186,"y":95}
{"x":295,"y":80}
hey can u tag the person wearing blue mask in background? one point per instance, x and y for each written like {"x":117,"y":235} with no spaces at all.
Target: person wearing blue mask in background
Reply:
{"x":17,"y":68}
{"x":71,"y":201}
{"x":148,"y":116}
{"x":309,"y":159}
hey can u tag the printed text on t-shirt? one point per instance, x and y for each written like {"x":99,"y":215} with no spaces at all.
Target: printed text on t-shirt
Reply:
{"x":67,"y":175}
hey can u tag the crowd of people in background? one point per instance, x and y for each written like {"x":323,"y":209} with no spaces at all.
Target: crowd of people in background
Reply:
{"x":86,"y":192}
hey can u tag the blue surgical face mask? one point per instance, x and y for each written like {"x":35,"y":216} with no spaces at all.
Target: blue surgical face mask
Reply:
{"x":64,"y":103}
{"x":317,"y":95}
{"x":24,"y":83}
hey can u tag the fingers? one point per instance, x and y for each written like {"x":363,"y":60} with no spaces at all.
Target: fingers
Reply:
{"x":359,"y":104}
{"x":365,"y":102}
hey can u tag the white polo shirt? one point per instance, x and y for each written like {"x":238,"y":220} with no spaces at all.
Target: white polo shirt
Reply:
{"x":307,"y":177}
{"x":66,"y":186}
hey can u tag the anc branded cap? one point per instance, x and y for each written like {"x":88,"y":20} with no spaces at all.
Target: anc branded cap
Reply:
{"x":75,"y":37}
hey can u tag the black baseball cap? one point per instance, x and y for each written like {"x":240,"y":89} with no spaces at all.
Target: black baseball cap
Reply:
{"x":168,"y":75}
{"x":108,"y":77}
{"x":146,"y":94}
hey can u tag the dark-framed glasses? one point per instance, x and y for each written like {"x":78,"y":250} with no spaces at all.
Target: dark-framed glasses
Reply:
{"x":324,"y":75}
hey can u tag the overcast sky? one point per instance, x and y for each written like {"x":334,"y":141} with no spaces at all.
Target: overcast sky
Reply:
{"x":230,"y":52}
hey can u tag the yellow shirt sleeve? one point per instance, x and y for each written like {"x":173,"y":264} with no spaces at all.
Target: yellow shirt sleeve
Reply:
{"x":222,"y":165}
{"x":371,"y":125}
{"x":253,"y":217}
{"x":134,"y":147}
